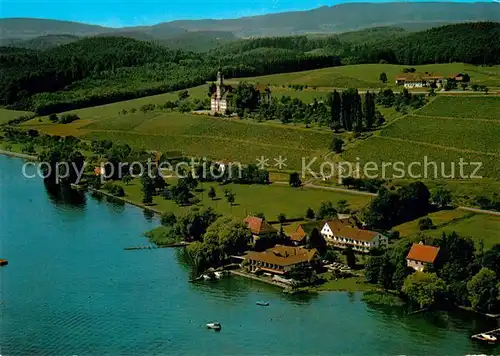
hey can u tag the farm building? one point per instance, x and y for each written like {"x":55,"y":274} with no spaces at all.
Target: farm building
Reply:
{"x":421,"y":256}
{"x":422,"y":80}
{"x":259,"y":227}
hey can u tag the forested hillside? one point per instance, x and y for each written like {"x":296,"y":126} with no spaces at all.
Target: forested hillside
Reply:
{"x":105,"y":69}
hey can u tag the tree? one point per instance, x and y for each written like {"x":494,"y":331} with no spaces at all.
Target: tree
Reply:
{"x":425,"y":224}
{"x":183,"y":94}
{"x":383,"y":77}
{"x":424,"y":288}
{"x":483,"y":290}
{"x":337,"y":144}
{"x":400,"y":273}
{"x":349,"y":256}
{"x":282,"y":218}
{"x":53,"y":118}
{"x":260,"y":215}
{"x":317,"y":241}
{"x":343,"y":206}
{"x":335,"y":110}
{"x":491,"y":259}
{"x":310,"y":213}
{"x":230,"y":198}
{"x":127,"y":179}
{"x":386,"y":273}
{"x":211,"y":193}
{"x":295,"y":180}
{"x":166,"y":193}
{"x":168,"y":219}
{"x":246,"y":97}
{"x":303,"y":274}
{"x":369,"y":110}
{"x":372,"y":268}
{"x":229,"y":235}
{"x":326,"y":210}
{"x":442,"y":197}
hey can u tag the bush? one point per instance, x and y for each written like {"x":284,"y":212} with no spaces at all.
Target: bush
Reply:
{"x":425,"y":224}
{"x":68,"y":118}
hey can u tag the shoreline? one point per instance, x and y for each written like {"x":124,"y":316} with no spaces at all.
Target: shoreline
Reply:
{"x":128,"y":201}
{"x":18,"y":155}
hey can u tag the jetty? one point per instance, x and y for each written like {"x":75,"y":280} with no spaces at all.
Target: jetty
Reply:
{"x":154,"y":247}
{"x":491,"y":336}
{"x":3,"y":262}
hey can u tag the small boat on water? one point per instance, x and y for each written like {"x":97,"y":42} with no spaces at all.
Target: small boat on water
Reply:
{"x":214,"y":326}
{"x":487,"y":337}
{"x":3,"y":262}
{"x":263,"y":304}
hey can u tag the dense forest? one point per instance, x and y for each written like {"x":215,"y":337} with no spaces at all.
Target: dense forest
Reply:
{"x":99,"y":70}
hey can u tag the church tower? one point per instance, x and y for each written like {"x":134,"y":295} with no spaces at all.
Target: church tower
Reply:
{"x":220,"y":85}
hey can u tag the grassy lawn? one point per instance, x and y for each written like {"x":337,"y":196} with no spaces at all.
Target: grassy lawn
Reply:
{"x":471,"y":107}
{"x":439,"y":218}
{"x":463,"y":134}
{"x":270,"y":200}
{"x":7,"y":115}
{"x":353,"y":284}
{"x":479,"y":227}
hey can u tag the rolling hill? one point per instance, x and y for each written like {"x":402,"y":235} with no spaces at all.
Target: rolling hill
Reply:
{"x":326,"y":19}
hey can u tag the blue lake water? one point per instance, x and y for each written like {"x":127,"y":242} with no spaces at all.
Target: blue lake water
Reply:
{"x":70,"y":288}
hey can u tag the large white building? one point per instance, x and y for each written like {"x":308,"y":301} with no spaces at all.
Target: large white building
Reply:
{"x":342,"y":235}
{"x":222,"y":98}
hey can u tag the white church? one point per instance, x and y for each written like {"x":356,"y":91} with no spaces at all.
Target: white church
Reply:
{"x":222,"y":98}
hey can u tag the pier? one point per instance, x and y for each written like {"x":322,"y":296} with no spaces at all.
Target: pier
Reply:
{"x":154,"y":247}
{"x":491,"y":336}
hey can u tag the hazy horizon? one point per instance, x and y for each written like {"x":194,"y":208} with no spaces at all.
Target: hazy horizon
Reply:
{"x":117,"y":14}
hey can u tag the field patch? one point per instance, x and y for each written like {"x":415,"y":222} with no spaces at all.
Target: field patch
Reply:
{"x":478,"y":136}
{"x":209,"y":147}
{"x":470,"y":107}
{"x":380,"y":151}
{"x":268,"y":199}
{"x":7,"y":115}
{"x":364,"y":76}
{"x":239,"y":130}
{"x":439,"y":218}
{"x":479,"y":227}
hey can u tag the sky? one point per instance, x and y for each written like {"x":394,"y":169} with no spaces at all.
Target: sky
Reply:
{"x":120,"y":13}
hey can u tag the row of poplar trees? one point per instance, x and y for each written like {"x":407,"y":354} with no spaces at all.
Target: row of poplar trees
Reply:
{"x":350,"y":112}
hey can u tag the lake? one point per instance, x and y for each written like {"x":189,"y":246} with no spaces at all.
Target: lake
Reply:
{"x":71,"y":288}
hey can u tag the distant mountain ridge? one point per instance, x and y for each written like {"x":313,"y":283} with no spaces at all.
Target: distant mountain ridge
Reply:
{"x":326,"y":19}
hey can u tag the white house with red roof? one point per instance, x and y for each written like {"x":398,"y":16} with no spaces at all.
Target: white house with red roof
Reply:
{"x":422,"y":256}
{"x":342,"y":234}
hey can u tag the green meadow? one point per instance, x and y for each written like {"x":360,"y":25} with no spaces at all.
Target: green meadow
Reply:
{"x":7,"y":115}
{"x":271,"y":200}
{"x":366,"y":76}
{"x":480,"y":227}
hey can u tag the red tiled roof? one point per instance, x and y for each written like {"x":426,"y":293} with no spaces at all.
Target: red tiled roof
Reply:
{"x":423,"y":253}
{"x":258,"y":226}
{"x":283,"y":255}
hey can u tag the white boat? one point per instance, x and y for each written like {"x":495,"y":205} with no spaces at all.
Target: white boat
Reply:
{"x":487,"y":337}
{"x":215,"y":326}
